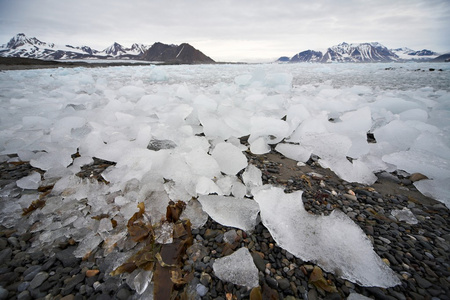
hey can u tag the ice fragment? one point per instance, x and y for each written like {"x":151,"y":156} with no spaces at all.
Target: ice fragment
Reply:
{"x":230,"y":211}
{"x":237,"y":268}
{"x":30,"y":182}
{"x":334,"y":242}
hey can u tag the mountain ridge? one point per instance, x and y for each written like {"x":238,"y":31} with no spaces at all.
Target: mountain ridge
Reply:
{"x":360,"y":53}
{"x":30,"y":47}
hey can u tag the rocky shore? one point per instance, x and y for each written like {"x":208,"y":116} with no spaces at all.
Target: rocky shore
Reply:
{"x":418,"y":253}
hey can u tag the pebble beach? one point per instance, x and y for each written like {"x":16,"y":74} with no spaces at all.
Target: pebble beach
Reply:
{"x":417,"y":253}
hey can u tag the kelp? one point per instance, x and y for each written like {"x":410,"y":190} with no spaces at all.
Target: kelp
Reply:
{"x":165,"y":260}
{"x":319,"y":281}
{"x":39,"y":203}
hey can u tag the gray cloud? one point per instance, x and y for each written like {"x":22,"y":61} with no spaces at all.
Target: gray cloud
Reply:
{"x":232,"y":29}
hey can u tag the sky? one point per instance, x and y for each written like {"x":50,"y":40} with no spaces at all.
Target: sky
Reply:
{"x":232,"y":30}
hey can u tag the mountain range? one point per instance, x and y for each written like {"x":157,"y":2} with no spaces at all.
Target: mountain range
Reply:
{"x":22,"y":46}
{"x":362,"y":52}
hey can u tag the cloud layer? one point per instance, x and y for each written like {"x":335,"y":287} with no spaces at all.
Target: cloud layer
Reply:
{"x":232,"y":29}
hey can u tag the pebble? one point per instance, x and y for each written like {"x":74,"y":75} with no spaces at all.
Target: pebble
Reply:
{"x":38,"y":280}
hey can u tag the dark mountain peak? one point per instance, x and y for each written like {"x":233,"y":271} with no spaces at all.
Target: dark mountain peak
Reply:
{"x":307,"y":56}
{"x":183,"y":53}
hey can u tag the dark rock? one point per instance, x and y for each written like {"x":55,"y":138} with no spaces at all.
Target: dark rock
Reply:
{"x":272,"y":282}
{"x":38,"y":280}
{"x":123,"y":294}
{"x":283,"y":283}
{"x":422,"y":281}
{"x":259,"y":262}
{"x":25,"y":295}
{"x":5,"y":255}
{"x":67,"y":258}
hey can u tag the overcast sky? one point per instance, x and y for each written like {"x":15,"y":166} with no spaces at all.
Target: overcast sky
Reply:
{"x":232,"y":30}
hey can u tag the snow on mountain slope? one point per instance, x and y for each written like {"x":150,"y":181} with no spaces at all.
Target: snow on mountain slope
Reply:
{"x":22,"y":46}
{"x":409,"y":54}
{"x":364,"y":52}
{"x":361,"y":52}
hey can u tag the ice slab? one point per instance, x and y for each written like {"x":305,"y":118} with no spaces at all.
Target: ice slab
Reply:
{"x":417,"y":161}
{"x":237,"y":268}
{"x":405,"y":215}
{"x":295,"y":152}
{"x":437,"y":189}
{"x":230,"y":158}
{"x":230,"y":211}
{"x":30,"y":182}
{"x":334,"y":242}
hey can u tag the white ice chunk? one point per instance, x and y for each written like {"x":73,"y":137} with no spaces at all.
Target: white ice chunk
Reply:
{"x":259,"y":146}
{"x":252,"y":177}
{"x":272,"y":128}
{"x":397,"y":134}
{"x":334,"y":242}
{"x":30,"y":182}
{"x":420,"y":162}
{"x":62,"y":157}
{"x":132,"y":93}
{"x":355,"y":171}
{"x":438,"y":189}
{"x":415,"y":114}
{"x":405,"y":215}
{"x":295,"y":152}
{"x":239,"y":190}
{"x":202,"y":164}
{"x":356,"y":296}
{"x":237,"y":268}
{"x":229,"y":157}
{"x":206,"y":186}
{"x":230,"y":211}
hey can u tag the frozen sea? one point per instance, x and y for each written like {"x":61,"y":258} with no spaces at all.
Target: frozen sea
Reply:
{"x":195,"y":114}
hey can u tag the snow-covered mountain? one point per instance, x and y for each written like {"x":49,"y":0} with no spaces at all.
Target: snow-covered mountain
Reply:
{"x":360,"y":52}
{"x":22,"y":46}
{"x":409,"y":54}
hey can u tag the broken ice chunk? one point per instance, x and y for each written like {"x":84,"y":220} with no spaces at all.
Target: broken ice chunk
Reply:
{"x":195,"y":214}
{"x":237,"y":268}
{"x":405,"y":215}
{"x":252,"y":177}
{"x":30,"y":182}
{"x":335,"y":242}
{"x":139,"y":279}
{"x":230,"y":211}
{"x":88,"y":244}
{"x":437,"y":189}
{"x":206,"y":186}
{"x":295,"y":152}
{"x":229,"y":157}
